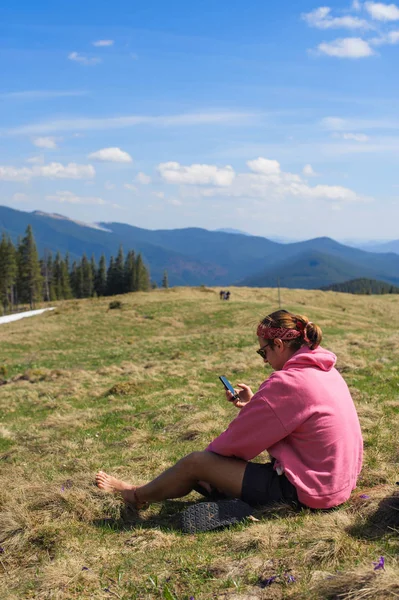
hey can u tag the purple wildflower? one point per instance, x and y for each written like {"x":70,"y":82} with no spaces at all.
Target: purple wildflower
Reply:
{"x":192,"y":598}
{"x":379,"y":564}
{"x":2,"y":550}
{"x":267,"y":582}
{"x":364,"y":497}
{"x":290,"y":578}
{"x":62,"y":489}
{"x":85,"y":569}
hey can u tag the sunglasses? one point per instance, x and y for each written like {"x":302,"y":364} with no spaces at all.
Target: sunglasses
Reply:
{"x":262,"y":351}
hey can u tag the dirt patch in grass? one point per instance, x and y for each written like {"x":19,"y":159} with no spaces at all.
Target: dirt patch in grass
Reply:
{"x":123,"y":388}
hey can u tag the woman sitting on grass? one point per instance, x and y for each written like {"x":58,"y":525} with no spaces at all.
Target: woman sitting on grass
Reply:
{"x":303,"y":415}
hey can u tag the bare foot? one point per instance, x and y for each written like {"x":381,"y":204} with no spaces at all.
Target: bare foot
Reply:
{"x":110,"y":484}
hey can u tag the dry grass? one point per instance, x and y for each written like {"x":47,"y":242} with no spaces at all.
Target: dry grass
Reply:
{"x":134,"y":390}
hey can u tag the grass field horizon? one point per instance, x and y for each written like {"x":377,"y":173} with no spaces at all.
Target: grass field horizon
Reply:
{"x":133,"y":390}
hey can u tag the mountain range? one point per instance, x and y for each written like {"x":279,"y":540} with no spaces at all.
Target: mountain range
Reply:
{"x":194,"y":256}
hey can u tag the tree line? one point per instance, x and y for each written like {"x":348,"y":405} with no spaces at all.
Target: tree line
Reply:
{"x":362,"y":286}
{"x":27,"y":279}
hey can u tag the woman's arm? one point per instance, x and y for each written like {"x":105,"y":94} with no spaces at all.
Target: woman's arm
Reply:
{"x":255,"y":429}
{"x":245,"y":395}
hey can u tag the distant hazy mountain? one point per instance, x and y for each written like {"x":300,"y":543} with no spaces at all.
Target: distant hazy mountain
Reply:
{"x":55,"y":232}
{"x":380,"y":246}
{"x":194,"y":256}
{"x":392,"y":246}
{"x":308,"y":270}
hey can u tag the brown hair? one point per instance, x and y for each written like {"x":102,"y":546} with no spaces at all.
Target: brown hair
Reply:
{"x":311,"y":333}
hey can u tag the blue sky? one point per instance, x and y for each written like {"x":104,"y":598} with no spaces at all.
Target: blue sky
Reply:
{"x":280,"y":119}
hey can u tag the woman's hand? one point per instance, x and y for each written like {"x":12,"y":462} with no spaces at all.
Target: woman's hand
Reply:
{"x":244,"y":395}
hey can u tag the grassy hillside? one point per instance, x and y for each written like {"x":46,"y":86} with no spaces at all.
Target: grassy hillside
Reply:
{"x":131,"y":391}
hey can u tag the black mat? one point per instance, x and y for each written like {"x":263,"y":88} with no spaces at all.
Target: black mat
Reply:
{"x":206,"y":516}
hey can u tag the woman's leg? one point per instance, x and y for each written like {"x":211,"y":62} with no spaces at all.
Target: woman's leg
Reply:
{"x":225,"y":474}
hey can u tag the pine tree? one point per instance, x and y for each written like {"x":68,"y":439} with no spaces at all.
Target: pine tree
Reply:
{"x":8,"y":273}
{"x":29,"y":276}
{"x":57,"y":278}
{"x":130,"y":272}
{"x":66,"y":261}
{"x":119,"y":273}
{"x":65,"y":283}
{"x":142,"y":276}
{"x":80,"y":281}
{"x":100,"y":282}
{"x":165,"y":280}
{"x":111,"y":277}
{"x":73,"y":279}
{"x":87,"y":277}
{"x":46,"y":270}
{"x":53,"y":291}
{"x":93,"y":266}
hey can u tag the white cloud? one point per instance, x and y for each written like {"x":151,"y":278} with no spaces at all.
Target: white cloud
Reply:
{"x":115,"y":155}
{"x":51,"y":171}
{"x":356,"y":137}
{"x":109,"y":186}
{"x":382,"y":12}
{"x":346,"y":48}
{"x":354,"y":47}
{"x":143,"y":178}
{"x":391,"y":38}
{"x":268,"y":183}
{"x":196,"y":174}
{"x":332,"y":192}
{"x":87,"y":124}
{"x":321,"y":19}
{"x":333,"y":123}
{"x":70,"y":171}
{"x":308,"y":171}
{"x":264,"y":166}
{"x":130,"y":187}
{"x":87,"y":61}
{"x":339,"y":124}
{"x":160,"y":195}
{"x":103,"y":43}
{"x":71,"y":198}
{"x":50,"y":143}
{"x":36,"y":160}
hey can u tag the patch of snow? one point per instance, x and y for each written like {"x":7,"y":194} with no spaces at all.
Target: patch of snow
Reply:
{"x":98,"y":226}
{"x":62,"y":217}
{"x":28,"y":313}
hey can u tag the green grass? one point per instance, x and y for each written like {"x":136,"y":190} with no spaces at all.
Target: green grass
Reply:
{"x":133,"y":390}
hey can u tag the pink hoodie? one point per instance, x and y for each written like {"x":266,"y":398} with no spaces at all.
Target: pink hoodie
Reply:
{"x":305,"y":418}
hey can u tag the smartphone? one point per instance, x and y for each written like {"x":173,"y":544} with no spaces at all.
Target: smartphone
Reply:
{"x":228,"y":385}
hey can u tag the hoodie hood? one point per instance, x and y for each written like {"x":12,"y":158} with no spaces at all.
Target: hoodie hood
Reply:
{"x":320,"y":358}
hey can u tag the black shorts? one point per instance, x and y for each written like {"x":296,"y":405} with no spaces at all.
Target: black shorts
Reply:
{"x":262,"y":486}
